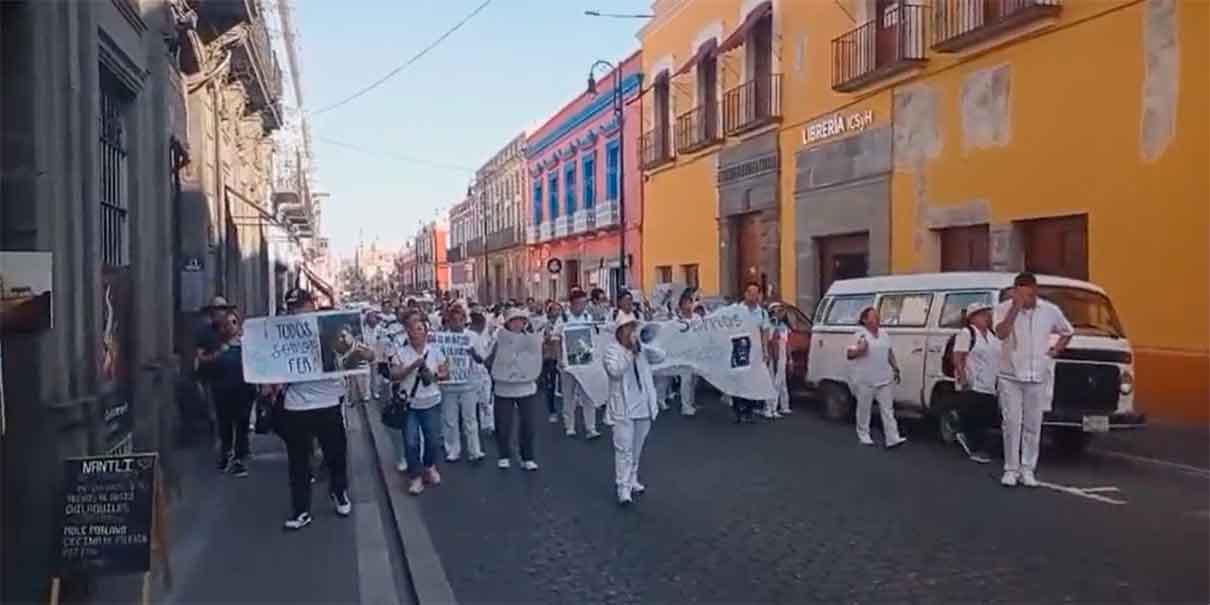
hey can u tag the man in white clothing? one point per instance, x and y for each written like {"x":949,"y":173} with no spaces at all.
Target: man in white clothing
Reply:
{"x":460,"y":397}
{"x":1025,"y":326}
{"x":574,"y":396}
{"x":632,"y":403}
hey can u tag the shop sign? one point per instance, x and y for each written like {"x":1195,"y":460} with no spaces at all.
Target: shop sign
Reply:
{"x":836,"y":125}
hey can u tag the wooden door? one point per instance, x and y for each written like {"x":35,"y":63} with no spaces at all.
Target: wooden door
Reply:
{"x":572,"y":269}
{"x":842,"y":257}
{"x":888,"y":23}
{"x":965,"y":248}
{"x":1058,"y":246}
{"x":747,"y":251}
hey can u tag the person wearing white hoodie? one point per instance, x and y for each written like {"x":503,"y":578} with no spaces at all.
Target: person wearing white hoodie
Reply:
{"x":632,"y":402}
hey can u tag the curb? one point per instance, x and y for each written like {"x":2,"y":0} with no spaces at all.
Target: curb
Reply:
{"x":428,"y":579}
{"x":376,"y":573}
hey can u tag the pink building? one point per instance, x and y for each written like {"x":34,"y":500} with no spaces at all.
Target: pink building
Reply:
{"x":581,"y":166}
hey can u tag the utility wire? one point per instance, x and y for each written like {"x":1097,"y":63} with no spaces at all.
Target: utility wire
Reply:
{"x":424,"y":51}
{"x":395,"y":156}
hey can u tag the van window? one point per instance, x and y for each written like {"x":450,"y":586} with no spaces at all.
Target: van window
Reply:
{"x":846,"y":310}
{"x":820,"y":307}
{"x":904,"y":310}
{"x":954,"y":309}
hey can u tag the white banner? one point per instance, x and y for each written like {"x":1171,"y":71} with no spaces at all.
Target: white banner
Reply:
{"x":723,"y":348}
{"x":303,"y":347}
{"x":456,"y":346}
{"x":518,"y":356}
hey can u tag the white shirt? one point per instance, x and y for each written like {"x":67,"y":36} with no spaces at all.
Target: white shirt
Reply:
{"x":873,"y":368}
{"x":1023,"y":355}
{"x":314,"y":394}
{"x":757,"y":313}
{"x":428,"y":395}
{"x":982,"y":360}
{"x":481,"y":342}
{"x":632,"y":391}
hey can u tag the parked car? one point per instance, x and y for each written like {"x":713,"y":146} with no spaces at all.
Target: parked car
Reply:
{"x":1093,"y":380}
{"x":800,"y":346}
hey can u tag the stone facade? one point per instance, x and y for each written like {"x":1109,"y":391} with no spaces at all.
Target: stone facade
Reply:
{"x":500,"y":188}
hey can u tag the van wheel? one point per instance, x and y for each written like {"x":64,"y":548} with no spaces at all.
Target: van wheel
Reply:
{"x":837,"y":405}
{"x":1071,"y":442}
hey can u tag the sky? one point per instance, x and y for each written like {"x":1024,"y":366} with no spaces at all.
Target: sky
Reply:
{"x":510,"y":68}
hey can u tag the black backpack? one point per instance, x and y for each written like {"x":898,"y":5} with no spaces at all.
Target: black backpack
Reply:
{"x":947,"y":362}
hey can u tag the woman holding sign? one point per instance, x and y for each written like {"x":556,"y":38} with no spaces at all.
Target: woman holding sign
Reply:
{"x":632,"y":402}
{"x":874,"y":370}
{"x":515,"y":361}
{"x":419,"y":367}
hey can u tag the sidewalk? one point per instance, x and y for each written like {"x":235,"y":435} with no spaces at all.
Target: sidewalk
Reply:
{"x":1182,"y":445}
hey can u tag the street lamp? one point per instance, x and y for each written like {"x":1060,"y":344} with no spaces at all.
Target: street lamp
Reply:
{"x":596,"y":13}
{"x":618,"y":113}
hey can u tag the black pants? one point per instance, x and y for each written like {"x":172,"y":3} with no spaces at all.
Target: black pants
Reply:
{"x":977,"y":413}
{"x":547,"y":382}
{"x":744,"y":408}
{"x":233,"y":410}
{"x":505,"y":408}
{"x":300,"y":428}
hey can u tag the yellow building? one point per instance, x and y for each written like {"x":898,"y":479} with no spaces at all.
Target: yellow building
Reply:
{"x":1061,"y":136}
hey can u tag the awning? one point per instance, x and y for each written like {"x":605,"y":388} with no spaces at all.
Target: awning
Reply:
{"x":705,"y":50}
{"x":741,"y":33}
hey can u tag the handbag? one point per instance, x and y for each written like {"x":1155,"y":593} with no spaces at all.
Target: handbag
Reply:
{"x":395,"y":411}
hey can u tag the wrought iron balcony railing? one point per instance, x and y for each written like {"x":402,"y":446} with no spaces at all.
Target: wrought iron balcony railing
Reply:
{"x":892,"y":43}
{"x":697,"y":128}
{"x":752,"y":104}
{"x":653,"y":148}
{"x":958,"y":24}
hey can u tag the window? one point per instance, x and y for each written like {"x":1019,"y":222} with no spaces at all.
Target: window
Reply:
{"x":707,"y":95}
{"x":612,"y":165}
{"x":953,"y":311}
{"x":846,"y":310}
{"x":569,"y":187}
{"x":904,"y":309}
{"x":115,"y":208}
{"x":552,"y":184}
{"x":590,"y":179}
{"x":798,"y":322}
{"x":1057,"y":246}
{"x":662,"y":100}
{"x":964,"y":248}
{"x":691,"y":278}
{"x":538,"y":201}
{"x":663,"y":274}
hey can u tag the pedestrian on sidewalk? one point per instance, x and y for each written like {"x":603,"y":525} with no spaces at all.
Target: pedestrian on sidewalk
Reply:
{"x":460,"y":399}
{"x":312,"y":411}
{"x":779,"y":357}
{"x":1025,"y":325}
{"x":632,"y":403}
{"x":551,"y":351}
{"x":514,"y":400}
{"x":976,"y":361}
{"x":419,"y":367}
{"x":207,"y":340}
{"x":232,"y":396}
{"x":874,"y":372}
{"x":574,"y":396}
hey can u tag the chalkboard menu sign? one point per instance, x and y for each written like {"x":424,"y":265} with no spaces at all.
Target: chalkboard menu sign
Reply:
{"x":108,"y":507}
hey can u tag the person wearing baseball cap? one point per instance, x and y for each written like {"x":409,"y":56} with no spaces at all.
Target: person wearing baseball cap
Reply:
{"x":976,"y":361}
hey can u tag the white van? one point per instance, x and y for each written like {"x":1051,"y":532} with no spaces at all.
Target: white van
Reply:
{"x":1093,"y":380}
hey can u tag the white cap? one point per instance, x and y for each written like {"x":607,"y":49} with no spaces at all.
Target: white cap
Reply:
{"x":978,"y":306}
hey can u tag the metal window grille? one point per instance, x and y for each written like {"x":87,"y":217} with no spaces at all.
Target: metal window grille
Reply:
{"x":115,"y":186}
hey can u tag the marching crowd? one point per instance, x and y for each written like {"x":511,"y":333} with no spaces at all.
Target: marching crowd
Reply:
{"x":433,"y":415}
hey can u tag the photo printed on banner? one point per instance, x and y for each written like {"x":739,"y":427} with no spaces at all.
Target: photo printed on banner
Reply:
{"x":741,"y":352}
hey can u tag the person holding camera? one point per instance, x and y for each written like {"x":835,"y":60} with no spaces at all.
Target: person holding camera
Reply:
{"x":418,"y":367}
{"x":874,"y":373}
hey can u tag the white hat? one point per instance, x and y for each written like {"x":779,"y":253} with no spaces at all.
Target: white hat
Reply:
{"x":516,"y":313}
{"x":623,"y":319}
{"x":977,"y":306}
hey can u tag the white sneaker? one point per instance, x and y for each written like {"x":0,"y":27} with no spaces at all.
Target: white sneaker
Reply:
{"x":402,"y":466}
{"x":688,"y":413}
{"x":777,"y":415}
{"x":787,"y":412}
{"x":504,"y":463}
{"x":299,"y":522}
{"x":1028,"y":479}
{"x":453,"y":458}
{"x":529,"y":465}
{"x":592,"y":435}
{"x":341,"y":501}
{"x":637,"y":488}
{"x":896,"y":443}
{"x":570,"y":432}
{"x":865,"y":441}
{"x":553,"y":418}
{"x":1009,"y":479}
{"x":624,"y":498}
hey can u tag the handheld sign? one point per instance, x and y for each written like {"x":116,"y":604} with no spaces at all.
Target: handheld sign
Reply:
{"x":303,"y":347}
{"x":108,"y":508}
{"x":518,"y":357}
{"x":455,"y":346}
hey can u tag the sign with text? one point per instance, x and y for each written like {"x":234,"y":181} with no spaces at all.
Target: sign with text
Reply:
{"x":108,"y":508}
{"x":303,"y":347}
{"x":456,"y":347}
{"x":836,"y":125}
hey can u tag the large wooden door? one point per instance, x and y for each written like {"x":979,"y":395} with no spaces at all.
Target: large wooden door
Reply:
{"x":842,"y":257}
{"x":1058,"y":246}
{"x":747,"y":251}
{"x":965,"y":248}
{"x":888,"y":21}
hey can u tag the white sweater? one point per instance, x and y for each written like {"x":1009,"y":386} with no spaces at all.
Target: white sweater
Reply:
{"x":631,"y":387}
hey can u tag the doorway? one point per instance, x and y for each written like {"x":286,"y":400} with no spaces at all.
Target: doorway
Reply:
{"x":887,"y":32}
{"x":842,"y":257}
{"x":747,"y":250}
{"x":965,"y":248}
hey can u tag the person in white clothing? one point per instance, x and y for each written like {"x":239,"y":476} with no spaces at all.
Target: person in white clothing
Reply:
{"x":574,"y":396}
{"x":874,"y":371}
{"x":1026,"y":326}
{"x":481,"y":342}
{"x":375,"y":339}
{"x":779,"y":355}
{"x":632,"y":402}
{"x":686,"y":378}
{"x":976,"y":361}
{"x":460,"y":399}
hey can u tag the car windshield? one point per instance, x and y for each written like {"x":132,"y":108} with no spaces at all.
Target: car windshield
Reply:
{"x":1089,"y":312}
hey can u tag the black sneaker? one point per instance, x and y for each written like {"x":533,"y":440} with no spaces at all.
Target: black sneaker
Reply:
{"x":238,"y":468}
{"x":224,"y":460}
{"x":299,"y":522}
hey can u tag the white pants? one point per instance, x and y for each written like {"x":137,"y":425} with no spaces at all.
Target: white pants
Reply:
{"x":688,"y":392}
{"x":629,"y":434}
{"x":866,"y":396}
{"x":1022,"y":405}
{"x":663,"y":389}
{"x":487,"y":414}
{"x":575,"y":397}
{"x":463,"y":402}
{"x":780,"y":403}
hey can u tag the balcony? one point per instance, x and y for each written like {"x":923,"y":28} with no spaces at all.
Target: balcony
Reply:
{"x":697,"y":128}
{"x":505,"y":238}
{"x":891,"y":44}
{"x":254,"y":63}
{"x":606,"y":214}
{"x":455,"y":254}
{"x":562,"y":226}
{"x":547,"y":231}
{"x":653,"y":148}
{"x":751,"y":105}
{"x":474,"y":247}
{"x":583,"y":220}
{"x":959,"y":24}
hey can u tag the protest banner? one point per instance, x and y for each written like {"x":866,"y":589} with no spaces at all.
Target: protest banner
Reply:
{"x":456,"y":347}
{"x":303,"y":347}
{"x":518,"y":356}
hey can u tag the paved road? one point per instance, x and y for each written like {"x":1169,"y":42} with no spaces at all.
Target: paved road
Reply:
{"x":797,"y":511}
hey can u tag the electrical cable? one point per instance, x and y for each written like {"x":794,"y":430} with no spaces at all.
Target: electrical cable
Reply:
{"x":394,"y":156}
{"x":424,"y":51}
